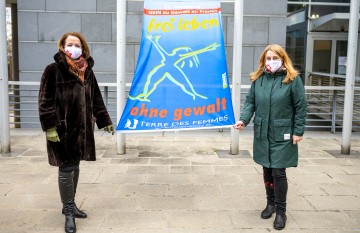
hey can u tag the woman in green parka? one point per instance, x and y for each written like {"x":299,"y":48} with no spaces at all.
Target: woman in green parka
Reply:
{"x":277,"y":98}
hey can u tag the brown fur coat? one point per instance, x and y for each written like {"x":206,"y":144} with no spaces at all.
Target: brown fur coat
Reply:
{"x":73,"y":107}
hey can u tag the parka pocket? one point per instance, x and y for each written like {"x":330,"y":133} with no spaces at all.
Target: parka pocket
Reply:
{"x":282,"y":129}
{"x":257,"y":127}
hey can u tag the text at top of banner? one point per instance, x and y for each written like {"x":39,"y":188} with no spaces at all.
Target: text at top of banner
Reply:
{"x":181,"y":11}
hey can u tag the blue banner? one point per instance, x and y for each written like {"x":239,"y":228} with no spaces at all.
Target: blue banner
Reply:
{"x":181,"y":78}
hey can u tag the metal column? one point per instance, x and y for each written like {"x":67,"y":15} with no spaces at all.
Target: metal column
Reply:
{"x":4,"y":91}
{"x":15,"y":63}
{"x":236,"y":78}
{"x":350,"y":77}
{"x":120,"y":67}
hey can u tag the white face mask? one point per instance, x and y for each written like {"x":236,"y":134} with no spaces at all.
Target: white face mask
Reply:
{"x":73,"y":52}
{"x":273,"y":65}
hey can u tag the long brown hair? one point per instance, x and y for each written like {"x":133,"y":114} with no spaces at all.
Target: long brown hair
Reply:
{"x":291,"y":73}
{"x":85,"y":47}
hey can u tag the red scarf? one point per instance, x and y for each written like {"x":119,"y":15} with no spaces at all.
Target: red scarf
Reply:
{"x":77,"y":67}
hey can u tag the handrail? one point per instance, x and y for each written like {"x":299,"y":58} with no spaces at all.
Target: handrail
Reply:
{"x":324,"y":88}
{"x":38,"y":83}
{"x":331,"y":75}
{"x":325,"y":104}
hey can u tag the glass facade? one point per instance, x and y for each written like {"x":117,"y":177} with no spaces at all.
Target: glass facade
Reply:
{"x":295,"y":46}
{"x":322,"y":52}
{"x":318,"y":11}
{"x":340,"y":62}
{"x":301,"y":13}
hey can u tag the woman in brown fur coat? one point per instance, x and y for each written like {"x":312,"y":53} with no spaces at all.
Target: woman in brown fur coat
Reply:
{"x":70,"y":103}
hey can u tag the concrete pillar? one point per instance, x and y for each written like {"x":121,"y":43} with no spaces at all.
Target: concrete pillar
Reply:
{"x":4,"y":91}
{"x":236,"y":78}
{"x":120,"y":68}
{"x":350,"y":77}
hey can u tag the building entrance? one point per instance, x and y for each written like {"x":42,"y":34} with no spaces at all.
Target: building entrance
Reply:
{"x":326,"y":59}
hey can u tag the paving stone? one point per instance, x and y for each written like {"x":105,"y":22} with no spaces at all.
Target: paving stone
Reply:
{"x":221,"y":203}
{"x":347,"y":179}
{"x":19,"y":220}
{"x":334,"y":203}
{"x":136,"y":220}
{"x":316,"y":154}
{"x":308,"y":189}
{"x":174,"y":169}
{"x":252,"y":219}
{"x":147,"y":169}
{"x":43,"y":202}
{"x":341,"y":189}
{"x":23,"y":178}
{"x":207,"y":161}
{"x":332,"y":220}
{"x":13,"y":203}
{"x":353,"y":170}
{"x":337,"y":154}
{"x":326,"y":169}
{"x":200,"y":219}
{"x":170,"y":161}
{"x":243,"y":189}
{"x":252,"y":179}
{"x":194,"y":190}
{"x":334,"y":161}
{"x":33,"y":189}
{"x":320,"y":178}
{"x":137,"y":161}
{"x":111,"y":178}
{"x":109,"y":203}
{"x":166,"y":203}
{"x":5,"y":189}
{"x":149,"y":190}
{"x":235,"y":170}
{"x":169,"y":179}
{"x":217,"y":179}
{"x":96,"y":189}
{"x":184,"y":190}
{"x":95,"y":167}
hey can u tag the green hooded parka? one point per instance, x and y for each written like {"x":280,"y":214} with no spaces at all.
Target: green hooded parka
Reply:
{"x":280,"y":112}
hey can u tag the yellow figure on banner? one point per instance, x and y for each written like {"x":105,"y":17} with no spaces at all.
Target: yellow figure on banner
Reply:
{"x":177,"y":58}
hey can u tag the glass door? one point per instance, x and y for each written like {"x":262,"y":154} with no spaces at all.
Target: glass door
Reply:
{"x":340,"y":59}
{"x":326,"y":56}
{"x":322,"y":56}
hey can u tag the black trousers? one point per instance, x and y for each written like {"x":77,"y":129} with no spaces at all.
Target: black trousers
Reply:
{"x":69,"y":168}
{"x":276,"y":188}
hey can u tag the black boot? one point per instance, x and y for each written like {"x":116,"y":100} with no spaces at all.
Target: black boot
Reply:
{"x":270,"y":195}
{"x":280,"y":188}
{"x":77,"y":213}
{"x":66,"y":188}
{"x":280,"y":221}
{"x":268,"y":211}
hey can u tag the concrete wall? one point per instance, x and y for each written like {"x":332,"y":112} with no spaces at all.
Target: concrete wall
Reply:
{"x":42,"y":22}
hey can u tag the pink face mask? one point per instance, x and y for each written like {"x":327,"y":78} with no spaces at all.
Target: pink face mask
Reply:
{"x":73,"y":52}
{"x":273,"y":65}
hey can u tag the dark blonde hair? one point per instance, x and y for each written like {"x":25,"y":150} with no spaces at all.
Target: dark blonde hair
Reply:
{"x":84,"y":45}
{"x":291,"y":73}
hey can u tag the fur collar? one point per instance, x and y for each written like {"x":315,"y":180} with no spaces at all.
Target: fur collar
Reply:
{"x":60,"y":59}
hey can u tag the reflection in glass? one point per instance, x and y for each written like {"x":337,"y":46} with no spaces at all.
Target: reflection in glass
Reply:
{"x":322,"y":56}
{"x":295,"y":47}
{"x":340,"y":60}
